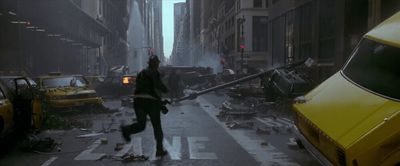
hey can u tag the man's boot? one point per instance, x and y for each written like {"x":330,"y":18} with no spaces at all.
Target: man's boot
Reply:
{"x":125,"y":133}
{"x":160,"y":149}
{"x":161,"y":152}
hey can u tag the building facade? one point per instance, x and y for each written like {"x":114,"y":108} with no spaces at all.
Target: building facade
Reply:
{"x":180,"y":55}
{"x":145,"y":33}
{"x":66,"y":36}
{"x":251,"y":18}
{"x":323,"y":30}
{"x":216,"y":36}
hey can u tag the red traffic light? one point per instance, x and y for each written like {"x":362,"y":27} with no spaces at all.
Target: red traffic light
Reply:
{"x":242,"y":46}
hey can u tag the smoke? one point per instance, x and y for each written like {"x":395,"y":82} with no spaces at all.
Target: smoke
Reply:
{"x":136,"y":39}
{"x":210,"y":60}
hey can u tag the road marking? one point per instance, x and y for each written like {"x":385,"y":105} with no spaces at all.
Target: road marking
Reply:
{"x":137,"y":146}
{"x":269,"y":122}
{"x":279,"y":122}
{"x":88,"y":155}
{"x":195,"y":146}
{"x":48,"y":162}
{"x":285,"y":121}
{"x":268,"y":155}
{"x":174,"y":150}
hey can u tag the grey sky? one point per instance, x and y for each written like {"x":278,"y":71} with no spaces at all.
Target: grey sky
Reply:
{"x":168,"y":25}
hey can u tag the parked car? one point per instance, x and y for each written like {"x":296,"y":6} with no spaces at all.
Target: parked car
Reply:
{"x":66,"y":91}
{"x":353,"y":117}
{"x":20,"y":105}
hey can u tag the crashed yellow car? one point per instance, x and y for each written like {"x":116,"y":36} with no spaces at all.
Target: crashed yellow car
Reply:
{"x":20,"y":105}
{"x":353,"y":118}
{"x":66,"y":91}
{"x":6,"y":114}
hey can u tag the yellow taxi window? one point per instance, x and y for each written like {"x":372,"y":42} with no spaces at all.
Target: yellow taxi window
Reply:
{"x":68,"y":81}
{"x":374,"y":66}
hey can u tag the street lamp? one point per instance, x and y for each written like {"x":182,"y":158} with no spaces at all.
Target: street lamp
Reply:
{"x":242,"y":44}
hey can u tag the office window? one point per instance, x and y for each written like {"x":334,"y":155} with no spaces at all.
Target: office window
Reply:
{"x":327,"y":31}
{"x":257,"y":3}
{"x":238,"y":6}
{"x":260,"y":30}
{"x":306,"y":28}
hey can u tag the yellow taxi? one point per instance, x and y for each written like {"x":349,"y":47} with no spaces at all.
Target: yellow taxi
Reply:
{"x":353,"y":118}
{"x":65,"y":91}
{"x":20,"y":105}
{"x":6,"y":114}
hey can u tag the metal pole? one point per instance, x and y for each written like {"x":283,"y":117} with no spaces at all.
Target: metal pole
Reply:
{"x":242,"y":48}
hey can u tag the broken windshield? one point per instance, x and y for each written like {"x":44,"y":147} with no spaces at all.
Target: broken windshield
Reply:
{"x":70,"y":81}
{"x":375,"y":66}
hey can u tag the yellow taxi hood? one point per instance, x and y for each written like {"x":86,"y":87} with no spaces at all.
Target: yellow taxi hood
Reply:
{"x":387,"y":32}
{"x":344,"y":111}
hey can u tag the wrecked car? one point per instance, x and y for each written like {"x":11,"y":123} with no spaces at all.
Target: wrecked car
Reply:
{"x":116,"y":86}
{"x":20,"y":105}
{"x":117,"y":83}
{"x":65,"y":91}
{"x":288,"y":83}
{"x":353,"y":117}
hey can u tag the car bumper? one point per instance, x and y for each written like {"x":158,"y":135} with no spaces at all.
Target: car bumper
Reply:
{"x":311,"y":149}
{"x":64,"y":103}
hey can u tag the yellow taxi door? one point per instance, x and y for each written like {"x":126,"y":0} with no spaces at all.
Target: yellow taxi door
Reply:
{"x":6,"y":114}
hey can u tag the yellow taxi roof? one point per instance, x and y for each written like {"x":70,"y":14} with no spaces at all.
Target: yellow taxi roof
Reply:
{"x":387,"y":32}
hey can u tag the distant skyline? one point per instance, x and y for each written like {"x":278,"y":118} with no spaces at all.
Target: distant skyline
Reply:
{"x":168,"y":25}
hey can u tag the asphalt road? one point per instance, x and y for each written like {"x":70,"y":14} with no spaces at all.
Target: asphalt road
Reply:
{"x":193,"y":136}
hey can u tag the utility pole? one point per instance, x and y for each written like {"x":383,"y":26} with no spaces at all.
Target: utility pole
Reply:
{"x":242,"y":44}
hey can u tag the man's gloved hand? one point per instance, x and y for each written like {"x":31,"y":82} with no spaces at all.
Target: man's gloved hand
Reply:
{"x":164,"y":109}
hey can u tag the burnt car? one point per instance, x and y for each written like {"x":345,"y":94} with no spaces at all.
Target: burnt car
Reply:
{"x":286,"y":82}
{"x":117,"y":83}
{"x":66,"y":91}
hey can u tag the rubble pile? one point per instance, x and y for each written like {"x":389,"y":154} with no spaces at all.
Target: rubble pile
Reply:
{"x":35,"y":144}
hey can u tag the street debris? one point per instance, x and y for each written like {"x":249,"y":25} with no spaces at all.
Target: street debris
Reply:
{"x":83,"y":129}
{"x":56,"y":121}
{"x":263,"y":131}
{"x":292,"y":144}
{"x":264,"y":143}
{"x":236,"y":125}
{"x":35,"y":144}
{"x":131,"y":157}
{"x":103,"y":141}
{"x":117,"y":114}
{"x":118,"y":146}
{"x":89,"y":135}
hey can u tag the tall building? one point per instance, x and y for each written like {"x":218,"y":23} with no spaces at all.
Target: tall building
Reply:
{"x":234,"y":33}
{"x":180,"y":55}
{"x":324,"y":30}
{"x":251,"y":22}
{"x":145,"y":33}
{"x":194,"y":10}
